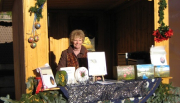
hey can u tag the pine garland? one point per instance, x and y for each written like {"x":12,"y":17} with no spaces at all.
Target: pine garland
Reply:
{"x":41,"y":97}
{"x":165,"y":93}
{"x":37,"y":9}
{"x":163,"y":32}
{"x":163,"y":28}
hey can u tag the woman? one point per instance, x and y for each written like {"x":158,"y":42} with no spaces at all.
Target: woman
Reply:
{"x":76,"y":54}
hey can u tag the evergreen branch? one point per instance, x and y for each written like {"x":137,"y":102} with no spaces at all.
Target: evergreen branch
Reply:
{"x":8,"y":100}
{"x":37,"y":9}
{"x":165,"y":93}
{"x":41,"y":97}
{"x":162,"y":28}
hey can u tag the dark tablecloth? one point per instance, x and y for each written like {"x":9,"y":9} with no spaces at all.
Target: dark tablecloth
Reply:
{"x":137,"y":91}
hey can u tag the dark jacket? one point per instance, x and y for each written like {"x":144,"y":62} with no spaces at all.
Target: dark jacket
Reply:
{"x":81,"y":58}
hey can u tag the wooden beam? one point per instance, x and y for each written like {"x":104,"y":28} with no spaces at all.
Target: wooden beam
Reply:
{"x":18,"y":48}
{"x":38,"y":56}
{"x":26,"y":59}
{"x":156,"y":25}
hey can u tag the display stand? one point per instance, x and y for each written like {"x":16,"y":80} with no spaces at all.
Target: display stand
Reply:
{"x":97,"y":79}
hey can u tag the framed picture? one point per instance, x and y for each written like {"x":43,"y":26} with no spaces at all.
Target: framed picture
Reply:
{"x":89,"y":43}
{"x":145,"y":71}
{"x":126,"y":72}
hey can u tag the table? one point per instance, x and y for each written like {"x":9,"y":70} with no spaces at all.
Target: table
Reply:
{"x":137,"y":90}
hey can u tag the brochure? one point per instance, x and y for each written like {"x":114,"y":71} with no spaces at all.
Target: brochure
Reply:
{"x":47,"y":77}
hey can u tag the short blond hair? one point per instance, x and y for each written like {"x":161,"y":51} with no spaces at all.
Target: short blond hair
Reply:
{"x":76,"y":34}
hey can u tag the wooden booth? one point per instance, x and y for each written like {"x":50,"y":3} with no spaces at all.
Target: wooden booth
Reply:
{"x":124,"y":26}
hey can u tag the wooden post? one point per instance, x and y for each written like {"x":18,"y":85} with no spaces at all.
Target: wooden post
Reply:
{"x":27,"y":59}
{"x":166,"y":80}
{"x":156,"y":25}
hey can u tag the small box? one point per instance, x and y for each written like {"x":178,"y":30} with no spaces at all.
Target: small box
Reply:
{"x":161,"y":71}
{"x":145,"y":71}
{"x":126,"y":72}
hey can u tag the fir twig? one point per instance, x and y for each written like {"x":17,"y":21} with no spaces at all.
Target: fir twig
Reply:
{"x":37,"y":9}
{"x":41,"y":97}
{"x":165,"y":93}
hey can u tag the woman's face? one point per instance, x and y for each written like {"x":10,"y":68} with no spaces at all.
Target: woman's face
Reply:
{"x":77,"y":43}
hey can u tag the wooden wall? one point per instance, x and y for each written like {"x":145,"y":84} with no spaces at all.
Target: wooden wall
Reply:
{"x":124,"y":30}
{"x":174,"y":49}
{"x":135,"y":25}
{"x":58,"y":37}
{"x":60,"y":26}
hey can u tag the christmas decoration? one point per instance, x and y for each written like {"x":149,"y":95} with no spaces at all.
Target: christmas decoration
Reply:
{"x":33,"y":45}
{"x":31,"y":39}
{"x":165,"y":93}
{"x":36,"y":38}
{"x":163,"y":32}
{"x":52,"y":96}
{"x":37,"y":25}
{"x":81,"y":74}
{"x":37,"y":9}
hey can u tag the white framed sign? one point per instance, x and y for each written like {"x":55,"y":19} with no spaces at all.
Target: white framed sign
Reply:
{"x":97,"y":63}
